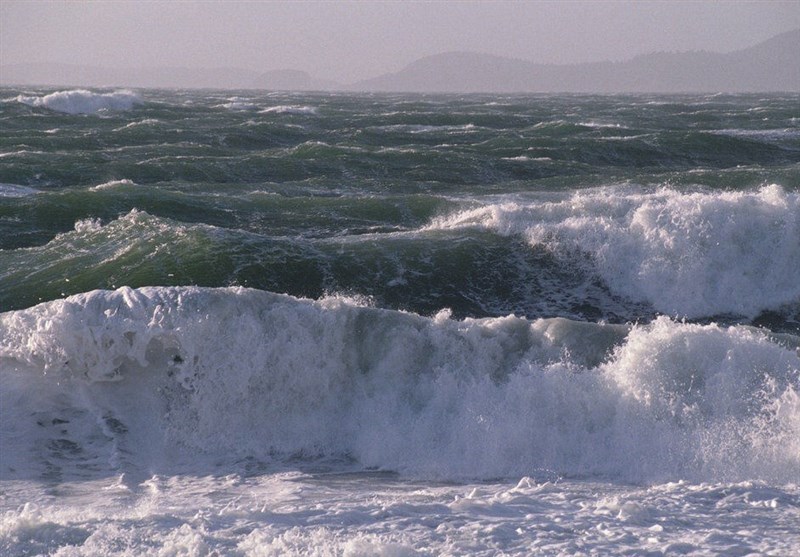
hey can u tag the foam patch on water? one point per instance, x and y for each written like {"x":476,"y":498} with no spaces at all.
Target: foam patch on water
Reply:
{"x":289,"y":109}
{"x":113,"y":184}
{"x":139,"y":123}
{"x":369,"y":515}
{"x":15,"y":190}
{"x":81,"y":101}
{"x":686,"y":254}
{"x":150,"y":378}
{"x":239,"y":104}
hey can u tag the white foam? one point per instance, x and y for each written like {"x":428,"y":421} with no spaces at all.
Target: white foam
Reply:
{"x":112,"y":184}
{"x":239,"y":104}
{"x":769,"y":134}
{"x":601,"y":125}
{"x":81,"y":101}
{"x":15,"y":190}
{"x":523,"y":158}
{"x":289,"y":109}
{"x":157,"y":376}
{"x":21,"y":152}
{"x":416,"y":129}
{"x":144,"y":122}
{"x":687,"y":254}
{"x":296,"y":514}
{"x":88,"y":225}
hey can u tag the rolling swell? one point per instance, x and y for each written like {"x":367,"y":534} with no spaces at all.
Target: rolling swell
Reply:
{"x":168,"y":137}
{"x":617,"y":254}
{"x":418,"y":270}
{"x":160,"y":379}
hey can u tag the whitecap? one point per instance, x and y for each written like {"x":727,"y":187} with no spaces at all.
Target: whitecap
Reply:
{"x":112,"y":184}
{"x":145,"y":122}
{"x":242,"y":373}
{"x":523,"y":158}
{"x":289,"y":109}
{"x":686,"y":254}
{"x":15,"y":190}
{"x":82,"y":101}
{"x":601,"y":125}
{"x":239,"y":105}
{"x":768,"y":134}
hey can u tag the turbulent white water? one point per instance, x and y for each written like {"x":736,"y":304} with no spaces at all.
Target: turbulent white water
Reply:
{"x":289,"y":109}
{"x":364,"y":515}
{"x":248,"y":374}
{"x":689,"y":255}
{"x":14,"y":190}
{"x":191,"y":385}
{"x":81,"y":101}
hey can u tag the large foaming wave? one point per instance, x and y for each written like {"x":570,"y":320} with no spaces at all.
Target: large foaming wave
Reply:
{"x":112,"y":382}
{"x":687,"y":254}
{"x":81,"y":101}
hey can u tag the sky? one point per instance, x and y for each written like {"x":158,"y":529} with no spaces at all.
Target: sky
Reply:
{"x":349,"y":40}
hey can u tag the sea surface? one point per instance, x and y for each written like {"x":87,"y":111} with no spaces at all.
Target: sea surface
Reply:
{"x":251,"y":323}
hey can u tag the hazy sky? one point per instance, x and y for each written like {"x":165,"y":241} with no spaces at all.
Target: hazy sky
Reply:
{"x":347,"y":41}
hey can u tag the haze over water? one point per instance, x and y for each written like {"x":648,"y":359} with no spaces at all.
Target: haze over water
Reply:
{"x":342,"y":44}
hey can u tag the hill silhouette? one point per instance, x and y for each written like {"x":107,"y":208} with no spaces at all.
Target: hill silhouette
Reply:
{"x":773,"y":65}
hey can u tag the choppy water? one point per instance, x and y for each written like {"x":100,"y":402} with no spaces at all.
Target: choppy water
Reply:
{"x":266,"y":323}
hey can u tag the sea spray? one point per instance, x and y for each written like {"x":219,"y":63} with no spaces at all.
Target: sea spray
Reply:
{"x":81,"y":101}
{"x":246,"y":373}
{"x":688,"y":254}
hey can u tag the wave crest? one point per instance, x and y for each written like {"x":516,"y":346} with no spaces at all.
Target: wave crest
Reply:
{"x":687,"y":254}
{"x":289,"y":109}
{"x":219,"y":373}
{"x":81,"y":101}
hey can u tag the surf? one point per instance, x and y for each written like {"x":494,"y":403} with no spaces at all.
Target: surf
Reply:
{"x":165,"y":379}
{"x":688,"y":254}
{"x":82,"y":101}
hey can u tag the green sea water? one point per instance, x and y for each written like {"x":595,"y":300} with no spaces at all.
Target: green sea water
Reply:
{"x":250,"y":323}
{"x":315,"y":194}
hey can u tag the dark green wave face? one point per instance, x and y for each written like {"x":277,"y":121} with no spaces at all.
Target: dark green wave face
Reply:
{"x":589,"y":207}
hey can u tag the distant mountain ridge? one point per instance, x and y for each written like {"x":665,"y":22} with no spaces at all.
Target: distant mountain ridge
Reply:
{"x":772,"y":65}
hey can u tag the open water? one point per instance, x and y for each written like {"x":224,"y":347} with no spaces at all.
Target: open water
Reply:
{"x":251,"y":323}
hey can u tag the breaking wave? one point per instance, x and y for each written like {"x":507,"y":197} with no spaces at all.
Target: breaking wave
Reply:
{"x":289,"y":109}
{"x":147,"y":379}
{"x":687,"y":254}
{"x":81,"y":101}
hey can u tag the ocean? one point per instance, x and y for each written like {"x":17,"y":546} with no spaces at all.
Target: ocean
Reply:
{"x":251,"y":323}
